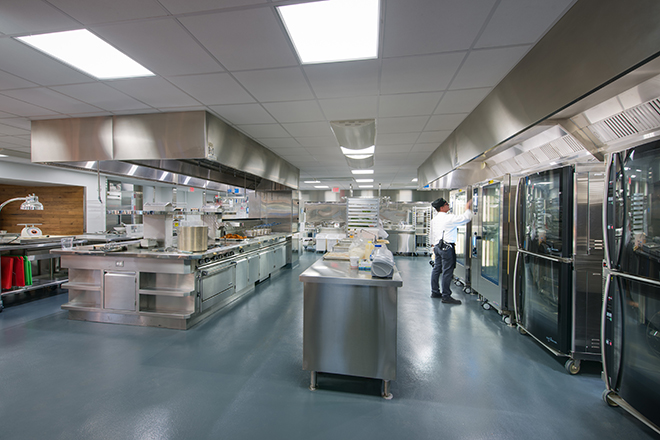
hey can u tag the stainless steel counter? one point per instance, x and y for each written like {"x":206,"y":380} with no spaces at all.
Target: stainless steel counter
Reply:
{"x":44,"y":265}
{"x":173,"y":289}
{"x":349,"y":322}
{"x":401,"y":241}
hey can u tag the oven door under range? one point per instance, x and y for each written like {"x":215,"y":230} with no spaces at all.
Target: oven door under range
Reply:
{"x":216,"y":284}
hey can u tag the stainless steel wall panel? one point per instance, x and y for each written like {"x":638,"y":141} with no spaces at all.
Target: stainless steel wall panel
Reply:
{"x":76,"y":139}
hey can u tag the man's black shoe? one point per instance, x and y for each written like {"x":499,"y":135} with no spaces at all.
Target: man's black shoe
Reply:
{"x":433,"y":295}
{"x":451,"y":300}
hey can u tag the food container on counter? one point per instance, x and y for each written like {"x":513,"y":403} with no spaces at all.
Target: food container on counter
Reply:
{"x":193,"y":238}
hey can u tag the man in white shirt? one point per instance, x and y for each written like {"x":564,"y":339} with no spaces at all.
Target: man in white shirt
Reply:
{"x":443,"y":236}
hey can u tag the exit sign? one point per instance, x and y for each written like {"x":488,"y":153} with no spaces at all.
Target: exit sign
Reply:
{"x":335,"y":190}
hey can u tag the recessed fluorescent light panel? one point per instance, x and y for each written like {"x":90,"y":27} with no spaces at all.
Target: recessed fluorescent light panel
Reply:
{"x":87,"y":52}
{"x":364,"y":180}
{"x":312,"y":181}
{"x":365,"y":151}
{"x":362,"y":171}
{"x":366,"y":186}
{"x":321,"y":186}
{"x":333,"y":30}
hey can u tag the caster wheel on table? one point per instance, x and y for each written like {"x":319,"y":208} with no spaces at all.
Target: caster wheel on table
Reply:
{"x":606,"y":398}
{"x":506,"y":319}
{"x":572,"y":366}
{"x":522,"y":331}
{"x":486,"y":306}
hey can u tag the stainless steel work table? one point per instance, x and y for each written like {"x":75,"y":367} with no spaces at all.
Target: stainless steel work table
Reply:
{"x":349,"y":322}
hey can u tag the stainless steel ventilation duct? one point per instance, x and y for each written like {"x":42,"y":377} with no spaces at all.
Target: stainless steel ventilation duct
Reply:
{"x":161,"y":140}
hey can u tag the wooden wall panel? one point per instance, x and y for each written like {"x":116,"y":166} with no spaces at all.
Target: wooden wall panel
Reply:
{"x":63,"y":213}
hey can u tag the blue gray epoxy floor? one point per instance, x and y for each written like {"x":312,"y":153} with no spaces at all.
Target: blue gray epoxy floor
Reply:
{"x":462,"y":374}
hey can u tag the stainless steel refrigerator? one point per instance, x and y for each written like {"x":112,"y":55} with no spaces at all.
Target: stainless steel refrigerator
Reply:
{"x":457,"y":200}
{"x":558,"y":270}
{"x":631,"y":310}
{"x":490,"y":256}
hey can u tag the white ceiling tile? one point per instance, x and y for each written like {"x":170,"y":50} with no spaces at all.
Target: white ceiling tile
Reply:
{"x":295,"y":111}
{"x":419,"y":73}
{"x":162,"y":46}
{"x":396,"y":138}
{"x":462,"y":101}
{"x":286,"y":84}
{"x":213,"y":89}
{"x":358,"y":107}
{"x":411,"y":104}
{"x":8,"y":130}
{"x":33,"y":16}
{"x":154,"y":91}
{"x":318,"y":142}
{"x":240,"y":114}
{"x":20,"y":108}
{"x":23,"y":123}
{"x":264,"y":130}
{"x":279,"y":143}
{"x":487,"y":67}
{"x":245,"y":39}
{"x":425,"y":147}
{"x":100,"y":95}
{"x":445,"y":122}
{"x":178,"y":6}
{"x":431,"y":26}
{"x":310,"y":129}
{"x":435,"y":137}
{"x":9,"y":81}
{"x":51,"y":100}
{"x":99,"y":11}
{"x":334,"y":80}
{"x":15,"y":140}
{"x":408,"y":124}
{"x":27,"y":63}
{"x":521,"y":21}
{"x":403,"y":148}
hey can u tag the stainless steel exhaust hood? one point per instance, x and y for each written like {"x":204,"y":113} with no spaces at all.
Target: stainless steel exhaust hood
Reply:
{"x":596,"y":43}
{"x":158,"y":140}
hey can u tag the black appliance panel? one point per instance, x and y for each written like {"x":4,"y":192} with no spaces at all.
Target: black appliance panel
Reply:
{"x":546,"y":217}
{"x":544,"y":300}
{"x":640,"y":253}
{"x":636,"y":308}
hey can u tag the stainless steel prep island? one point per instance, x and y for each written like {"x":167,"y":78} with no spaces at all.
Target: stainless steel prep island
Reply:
{"x":123,"y":284}
{"x":349,"y":322}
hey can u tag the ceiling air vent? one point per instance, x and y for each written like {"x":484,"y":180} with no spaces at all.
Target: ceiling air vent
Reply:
{"x":526,"y":160}
{"x":641,"y":118}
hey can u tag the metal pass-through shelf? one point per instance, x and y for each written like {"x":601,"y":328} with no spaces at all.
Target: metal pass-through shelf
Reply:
{"x":362,"y":213}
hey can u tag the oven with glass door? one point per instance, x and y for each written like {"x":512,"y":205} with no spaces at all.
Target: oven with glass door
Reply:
{"x":491,"y":258}
{"x":558,"y":270}
{"x":457,"y":200}
{"x":631,"y":310}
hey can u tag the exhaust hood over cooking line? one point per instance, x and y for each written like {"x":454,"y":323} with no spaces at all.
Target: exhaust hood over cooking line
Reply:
{"x":195,"y":144}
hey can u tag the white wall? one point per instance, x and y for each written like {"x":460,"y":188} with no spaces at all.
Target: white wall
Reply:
{"x":25,"y":173}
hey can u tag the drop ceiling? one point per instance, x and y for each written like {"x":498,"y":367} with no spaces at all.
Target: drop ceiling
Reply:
{"x":437,"y":60}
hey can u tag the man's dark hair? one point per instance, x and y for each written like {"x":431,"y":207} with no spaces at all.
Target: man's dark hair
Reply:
{"x":439,"y":203}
